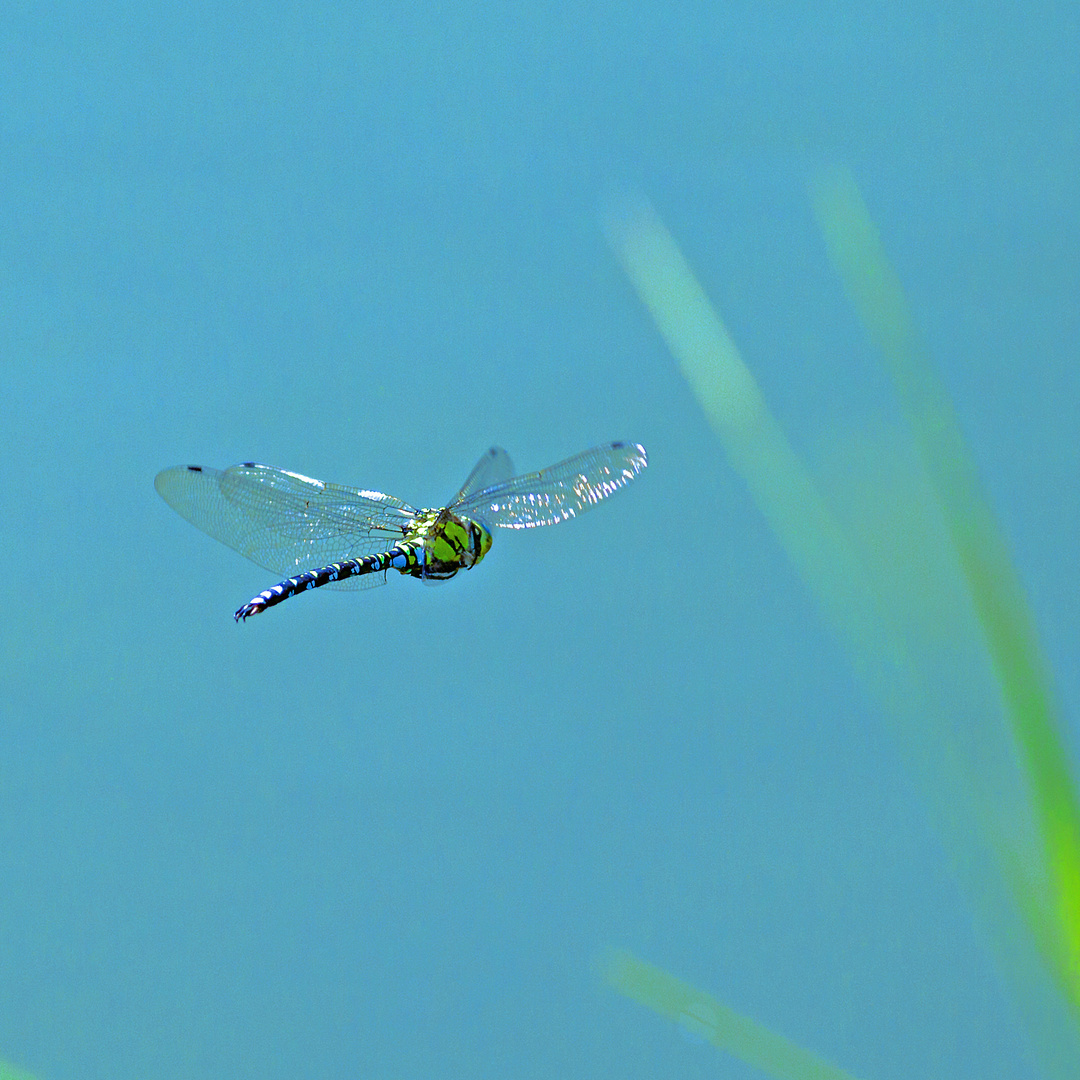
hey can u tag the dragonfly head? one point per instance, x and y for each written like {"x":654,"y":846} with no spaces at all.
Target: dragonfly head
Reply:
{"x":469,"y":540}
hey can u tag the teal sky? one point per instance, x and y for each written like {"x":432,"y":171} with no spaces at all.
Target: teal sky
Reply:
{"x":386,"y":834}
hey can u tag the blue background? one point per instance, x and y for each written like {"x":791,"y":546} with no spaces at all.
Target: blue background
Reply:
{"x":386,"y":834}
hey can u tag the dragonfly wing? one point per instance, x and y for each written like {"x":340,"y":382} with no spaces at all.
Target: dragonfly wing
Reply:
{"x":559,"y":492}
{"x":283,"y":521}
{"x":493,"y":468}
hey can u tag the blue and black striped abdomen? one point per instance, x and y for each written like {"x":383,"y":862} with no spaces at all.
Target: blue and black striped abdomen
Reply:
{"x":407,"y":558}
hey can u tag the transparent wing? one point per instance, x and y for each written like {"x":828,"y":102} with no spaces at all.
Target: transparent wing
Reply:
{"x":493,"y":468}
{"x":559,"y":492}
{"x":283,"y":521}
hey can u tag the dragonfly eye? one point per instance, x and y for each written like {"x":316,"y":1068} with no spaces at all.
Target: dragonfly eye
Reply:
{"x":480,"y":540}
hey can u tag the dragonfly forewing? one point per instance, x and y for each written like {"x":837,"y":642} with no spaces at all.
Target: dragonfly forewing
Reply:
{"x":559,"y":492}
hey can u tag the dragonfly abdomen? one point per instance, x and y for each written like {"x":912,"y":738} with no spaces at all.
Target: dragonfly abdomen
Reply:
{"x":405,"y":557}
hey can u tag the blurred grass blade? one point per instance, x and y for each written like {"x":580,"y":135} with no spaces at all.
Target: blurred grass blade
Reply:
{"x":9,"y":1072}
{"x":905,"y":562}
{"x":736,"y":409}
{"x":995,"y":590}
{"x":709,"y":1019}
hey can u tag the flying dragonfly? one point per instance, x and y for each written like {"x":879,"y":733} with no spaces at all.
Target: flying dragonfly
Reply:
{"x":326,"y":534}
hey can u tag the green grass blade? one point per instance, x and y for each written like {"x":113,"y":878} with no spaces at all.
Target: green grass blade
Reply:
{"x":916,"y":608}
{"x":9,"y":1072}
{"x":704,"y":1016}
{"x":737,"y":412}
{"x":995,"y":590}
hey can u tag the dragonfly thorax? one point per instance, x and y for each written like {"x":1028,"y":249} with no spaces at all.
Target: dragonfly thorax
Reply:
{"x":446,"y":544}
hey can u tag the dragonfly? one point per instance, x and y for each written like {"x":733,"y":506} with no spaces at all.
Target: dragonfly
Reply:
{"x":318,"y":534}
